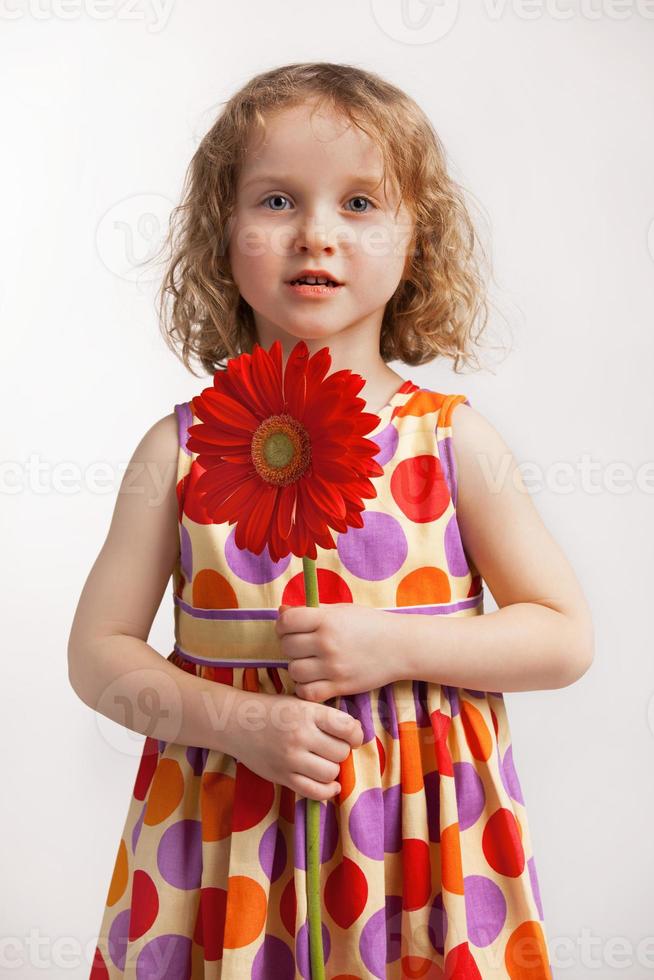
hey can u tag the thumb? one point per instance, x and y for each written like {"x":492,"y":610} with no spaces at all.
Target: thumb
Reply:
{"x":284,"y":606}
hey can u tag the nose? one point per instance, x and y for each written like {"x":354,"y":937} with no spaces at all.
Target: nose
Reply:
{"x":313,"y":235}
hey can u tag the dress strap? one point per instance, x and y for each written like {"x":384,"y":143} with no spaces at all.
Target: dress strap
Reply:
{"x":444,"y":438}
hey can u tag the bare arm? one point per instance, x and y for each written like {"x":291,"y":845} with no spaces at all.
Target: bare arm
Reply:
{"x":541,"y":636}
{"x":110,"y":665}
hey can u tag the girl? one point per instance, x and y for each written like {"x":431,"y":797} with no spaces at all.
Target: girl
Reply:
{"x":427,"y":870}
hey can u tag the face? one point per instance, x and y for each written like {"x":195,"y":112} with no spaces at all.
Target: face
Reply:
{"x":310,"y":196}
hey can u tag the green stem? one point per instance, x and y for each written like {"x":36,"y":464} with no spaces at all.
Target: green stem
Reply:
{"x":312,"y":831}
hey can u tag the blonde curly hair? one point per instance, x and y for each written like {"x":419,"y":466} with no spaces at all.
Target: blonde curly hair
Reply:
{"x":440,"y":307}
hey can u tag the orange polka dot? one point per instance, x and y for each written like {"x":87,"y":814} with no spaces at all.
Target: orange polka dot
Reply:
{"x":211,"y":590}
{"x":244,"y":893}
{"x":451,"y":869}
{"x":216,"y":805}
{"x":424,"y":586}
{"x":476,"y":731}
{"x":165,"y":793}
{"x":526,"y":956}
{"x":410,"y":758}
{"x":119,"y":876}
{"x":347,"y":778}
{"x":422,"y":403}
{"x":418,"y":968}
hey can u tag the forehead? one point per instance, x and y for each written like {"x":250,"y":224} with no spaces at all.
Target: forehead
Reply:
{"x":306,"y":141}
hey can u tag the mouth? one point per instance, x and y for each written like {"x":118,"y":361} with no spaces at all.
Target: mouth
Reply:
{"x":318,"y":278}
{"x":314,"y":286}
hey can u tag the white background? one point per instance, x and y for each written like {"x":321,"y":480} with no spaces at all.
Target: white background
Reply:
{"x":545,"y":111}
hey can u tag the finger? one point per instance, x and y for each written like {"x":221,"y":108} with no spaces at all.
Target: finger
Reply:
{"x":298,"y":619}
{"x":298,"y":645}
{"x":316,"y":767}
{"x":316,"y":790}
{"x":306,"y":669}
{"x":339,"y":723}
{"x":331,"y":747}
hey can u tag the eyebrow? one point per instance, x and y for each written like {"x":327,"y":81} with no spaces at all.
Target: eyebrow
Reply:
{"x":370,"y":180}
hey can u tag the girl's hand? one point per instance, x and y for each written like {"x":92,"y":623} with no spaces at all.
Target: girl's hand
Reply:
{"x":300,"y":745}
{"x":340,"y":648}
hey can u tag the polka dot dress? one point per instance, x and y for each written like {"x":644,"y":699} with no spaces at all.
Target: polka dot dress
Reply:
{"x":427,"y":869}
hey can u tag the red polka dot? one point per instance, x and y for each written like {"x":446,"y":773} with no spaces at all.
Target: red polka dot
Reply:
{"x":99,"y":969}
{"x":502,"y":845}
{"x":346,"y":892}
{"x":416,"y":873}
{"x":288,"y":907}
{"x":419,"y":488}
{"x":253,"y":798}
{"x":332,"y":587}
{"x":145,"y":905}
{"x":460,"y":964}
{"x":147,"y":766}
{"x":210,"y":922}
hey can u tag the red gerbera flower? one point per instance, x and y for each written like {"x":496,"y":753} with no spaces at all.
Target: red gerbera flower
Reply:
{"x":283,"y":450}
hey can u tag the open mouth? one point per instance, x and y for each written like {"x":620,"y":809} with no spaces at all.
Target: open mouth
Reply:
{"x":327,"y":283}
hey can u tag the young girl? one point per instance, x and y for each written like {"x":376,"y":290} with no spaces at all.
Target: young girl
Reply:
{"x":426,"y":863}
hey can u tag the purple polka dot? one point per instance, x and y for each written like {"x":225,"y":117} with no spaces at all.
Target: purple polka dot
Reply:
{"x":452,"y":695}
{"x":470,"y":795}
{"x":475,"y":694}
{"x":381,"y":937}
{"x":419,"y":689}
{"x":165,"y":958}
{"x":197,"y":758}
{"x":454,"y":554}
{"x":375,"y":551}
{"x":367,"y":823}
{"x":533,"y":878}
{"x":445,"y":455}
{"x":302,"y":949}
{"x":386,"y":710}
{"x":249,"y":567}
{"x":272,"y":852}
{"x":328,"y":832}
{"x":432,"y":782}
{"x":273,"y":959}
{"x":117,"y":941}
{"x":179,"y":855}
{"x":186,"y":553}
{"x":136,"y":832}
{"x":393,"y":819}
{"x":387,"y":441}
{"x":359,"y":706}
{"x":510,"y":777}
{"x":161,"y":746}
{"x":437,"y":928}
{"x":485,"y":909}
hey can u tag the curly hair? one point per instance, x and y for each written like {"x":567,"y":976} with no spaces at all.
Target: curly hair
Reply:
{"x":440,"y":306}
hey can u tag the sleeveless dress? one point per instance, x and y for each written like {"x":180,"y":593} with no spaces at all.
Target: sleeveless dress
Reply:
{"x":427,"y":868}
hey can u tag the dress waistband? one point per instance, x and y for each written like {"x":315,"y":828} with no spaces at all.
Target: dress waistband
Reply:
{"x":247,"y":637}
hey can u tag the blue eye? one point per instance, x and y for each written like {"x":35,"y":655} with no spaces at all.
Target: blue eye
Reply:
{"x":360,"y":197}
{"x":282,"y":197}
{"x":273,"y":197}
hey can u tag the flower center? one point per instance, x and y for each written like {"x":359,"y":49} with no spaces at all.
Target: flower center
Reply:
{"x":281,"y":450}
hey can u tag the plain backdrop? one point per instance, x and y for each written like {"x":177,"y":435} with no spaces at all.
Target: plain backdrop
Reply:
{"x":545,"y":111}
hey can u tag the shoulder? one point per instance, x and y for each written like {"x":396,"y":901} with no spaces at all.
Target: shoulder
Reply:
{"x":474,"y":438}
{"x":161,"y":439}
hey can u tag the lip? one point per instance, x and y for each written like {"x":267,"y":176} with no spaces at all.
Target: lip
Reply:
{"x":318,"y":273}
